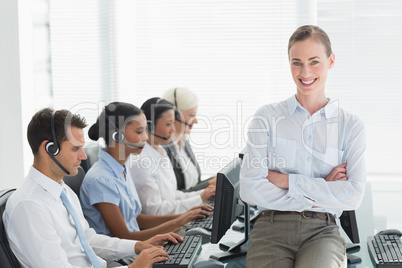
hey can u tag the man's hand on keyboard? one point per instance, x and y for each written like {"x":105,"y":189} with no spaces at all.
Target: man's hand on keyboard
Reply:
{"x":148,"y":257}
{"x":194,"y":213}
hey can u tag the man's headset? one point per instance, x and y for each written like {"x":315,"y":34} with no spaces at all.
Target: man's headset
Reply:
{"x":176,"y":112}
{"x":118,"y":136}
{"x":52,"y":147}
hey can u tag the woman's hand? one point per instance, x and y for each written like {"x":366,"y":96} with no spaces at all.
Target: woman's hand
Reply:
{"x":278,"y":179}
{"x":338,"y":174}
{"x":194,"y":213}
{"x":148,"y":257}
{"x":208,"y":193}
{"x":212,"y":181}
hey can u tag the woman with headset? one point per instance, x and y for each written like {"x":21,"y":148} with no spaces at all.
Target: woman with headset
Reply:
{"x":152,"y":171}
{"x":185,"y":165}
{"x":108,"y":196}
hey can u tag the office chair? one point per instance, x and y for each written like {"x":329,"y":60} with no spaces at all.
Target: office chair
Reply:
{"x":92,"y":157}
{"x":7,"y":257}
{"x":74,"y":182}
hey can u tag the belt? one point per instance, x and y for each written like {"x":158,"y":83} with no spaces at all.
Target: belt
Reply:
{"x":305,"y":214}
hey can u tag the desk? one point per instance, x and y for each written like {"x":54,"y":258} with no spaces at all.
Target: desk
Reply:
{"x":380,"y":209}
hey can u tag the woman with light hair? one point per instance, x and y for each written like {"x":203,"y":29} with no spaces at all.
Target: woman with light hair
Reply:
{"x":185,"y":165}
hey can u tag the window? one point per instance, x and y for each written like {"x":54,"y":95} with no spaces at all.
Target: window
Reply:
{"x":233,"y":55}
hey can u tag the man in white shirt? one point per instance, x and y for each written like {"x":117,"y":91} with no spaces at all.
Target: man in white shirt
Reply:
{"x":40,"y":229}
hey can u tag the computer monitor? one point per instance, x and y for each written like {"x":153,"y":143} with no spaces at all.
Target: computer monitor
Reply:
{"x":349,"y":225}
{"x":227,"y":208}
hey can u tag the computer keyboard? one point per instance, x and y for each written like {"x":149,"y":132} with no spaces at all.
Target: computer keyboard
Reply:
{"x":385,"y":250}
{"x":183,"y":254}
{"x":211,"y":201}
{"x":205,"y":223}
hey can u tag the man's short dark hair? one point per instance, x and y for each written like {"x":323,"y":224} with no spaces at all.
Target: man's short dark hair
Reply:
{"x":39,"y":128}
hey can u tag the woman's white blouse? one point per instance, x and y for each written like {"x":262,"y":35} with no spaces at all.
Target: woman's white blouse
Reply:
{"x":154,"y":178}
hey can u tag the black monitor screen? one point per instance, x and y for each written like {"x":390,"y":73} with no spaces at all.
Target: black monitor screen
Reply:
{"x":227,"y":207}
{"x":349,"y":225}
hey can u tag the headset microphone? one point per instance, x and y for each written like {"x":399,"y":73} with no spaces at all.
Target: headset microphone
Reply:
{"x":58,"y":163}
{"x":163,"y":138}
{"x":176,"y":112}
{"x":118,"y":137}
{"x":52,"y":148}
{"x":132,"y":145}
{"x":151,"y":129}
{"x":185,"y":123}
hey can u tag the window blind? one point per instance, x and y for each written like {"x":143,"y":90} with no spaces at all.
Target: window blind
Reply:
{"x":367,"y":38}
{"x":232,"y":54}
{"x":82,"y":55}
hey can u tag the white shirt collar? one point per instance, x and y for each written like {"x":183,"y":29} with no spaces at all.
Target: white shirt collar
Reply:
{"x":48,"y":184}
{"x":328,"y":111}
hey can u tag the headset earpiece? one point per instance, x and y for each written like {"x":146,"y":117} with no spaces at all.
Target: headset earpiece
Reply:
{"x":176,"y":114}
{"x":51,"y":148}
{"x":150,"y":127}
{"x":118,"y":136}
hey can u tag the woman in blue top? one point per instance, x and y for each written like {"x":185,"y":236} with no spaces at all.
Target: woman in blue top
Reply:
{"x":108,"y":196}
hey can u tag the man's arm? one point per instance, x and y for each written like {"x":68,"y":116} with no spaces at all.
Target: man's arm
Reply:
{"x":33,"y":238}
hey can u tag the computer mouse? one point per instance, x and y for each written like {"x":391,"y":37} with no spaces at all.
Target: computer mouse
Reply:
{"x":390,"y":232}
{"x":210,"y":263}
{"x":205,"y":234}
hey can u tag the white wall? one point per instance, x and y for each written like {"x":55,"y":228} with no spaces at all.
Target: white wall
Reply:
{"x":15,"y":77}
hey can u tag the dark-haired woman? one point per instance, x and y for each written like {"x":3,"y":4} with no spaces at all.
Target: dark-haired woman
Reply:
{"x":152,"y":171}
{"x":108,"y":196}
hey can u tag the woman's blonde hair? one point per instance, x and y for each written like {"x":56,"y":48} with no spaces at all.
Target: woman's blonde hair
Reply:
{"x":182,"y":98}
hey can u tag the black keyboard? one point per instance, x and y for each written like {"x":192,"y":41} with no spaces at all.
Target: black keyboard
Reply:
{"x":385,"y":250}
{"x":183,"y":254}
{"x":205,"y":223}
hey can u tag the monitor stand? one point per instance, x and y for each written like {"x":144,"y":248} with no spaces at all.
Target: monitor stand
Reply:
{"x":240,"y":226}
{"x":234,"y":250}
{"x":352,"y":248}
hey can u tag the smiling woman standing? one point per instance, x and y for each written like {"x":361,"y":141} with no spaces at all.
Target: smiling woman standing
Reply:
{"x":318,"y":171}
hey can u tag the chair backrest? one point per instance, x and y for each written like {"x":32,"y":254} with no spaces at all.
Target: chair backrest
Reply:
{"x":75,"y":181}
{"x":7,"y":257}
{"x":92,"y":157}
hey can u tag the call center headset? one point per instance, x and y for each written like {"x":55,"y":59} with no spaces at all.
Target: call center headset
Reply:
{"x":176,"y":111}
{"x":151,"y":126}
{"x":118,"y":136}
{"x":52,"y":147}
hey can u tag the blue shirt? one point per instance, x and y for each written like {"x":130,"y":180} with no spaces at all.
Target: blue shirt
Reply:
{"x":104,"y":183}
{"x":284,"y":137}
